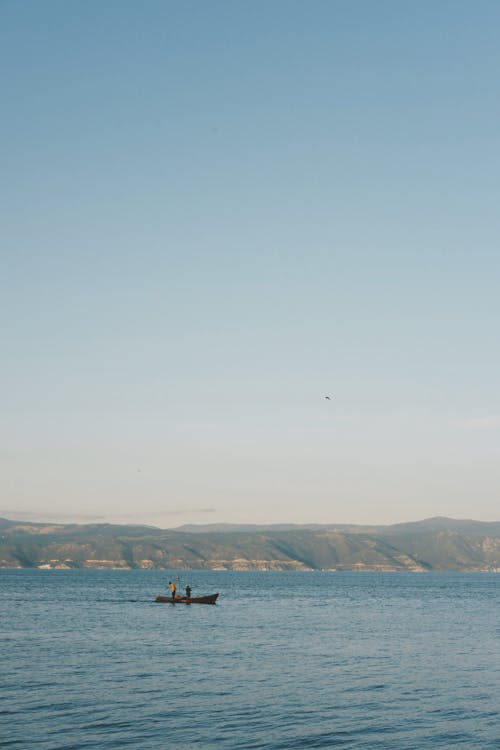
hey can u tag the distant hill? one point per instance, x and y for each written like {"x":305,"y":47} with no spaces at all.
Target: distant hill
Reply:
{"x":431,"y":544}
{"x":438,"y":523}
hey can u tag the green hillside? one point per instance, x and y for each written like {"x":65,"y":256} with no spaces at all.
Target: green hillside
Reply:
{"x":434,"y":544}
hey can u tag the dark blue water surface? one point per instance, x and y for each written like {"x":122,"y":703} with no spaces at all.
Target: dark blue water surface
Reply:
{"x":283,"y":661}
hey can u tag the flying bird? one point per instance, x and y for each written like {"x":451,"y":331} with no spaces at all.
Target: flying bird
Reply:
{"x":328,"y":398}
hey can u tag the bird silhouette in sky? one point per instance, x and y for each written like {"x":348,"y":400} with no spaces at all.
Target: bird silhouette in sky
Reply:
{"x":328,"y":398}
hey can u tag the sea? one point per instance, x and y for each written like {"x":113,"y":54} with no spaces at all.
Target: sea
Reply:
{"x":284,"y":660}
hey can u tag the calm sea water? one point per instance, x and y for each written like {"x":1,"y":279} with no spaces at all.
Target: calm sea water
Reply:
{"x":283,"y":661}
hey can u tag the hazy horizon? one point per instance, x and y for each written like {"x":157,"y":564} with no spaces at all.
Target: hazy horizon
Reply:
{"x":216,"y":215}
{"x":155,"y":521}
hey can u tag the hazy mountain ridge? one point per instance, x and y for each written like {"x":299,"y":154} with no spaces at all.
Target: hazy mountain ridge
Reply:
{"x":432,"y":544}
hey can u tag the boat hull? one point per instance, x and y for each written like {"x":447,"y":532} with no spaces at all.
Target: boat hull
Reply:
{"x":211,"y":599}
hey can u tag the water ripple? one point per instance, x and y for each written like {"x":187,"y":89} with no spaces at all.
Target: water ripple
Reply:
{"x":378,"y":661}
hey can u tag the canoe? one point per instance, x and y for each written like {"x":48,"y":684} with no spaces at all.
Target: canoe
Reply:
{"x":211,"y":599}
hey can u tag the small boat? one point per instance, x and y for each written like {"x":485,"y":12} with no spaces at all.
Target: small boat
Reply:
{"x":210,"y":599}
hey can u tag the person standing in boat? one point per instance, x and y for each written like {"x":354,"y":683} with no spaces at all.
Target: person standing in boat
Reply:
{"x":172,"y":588}
{"x":188,"y":592}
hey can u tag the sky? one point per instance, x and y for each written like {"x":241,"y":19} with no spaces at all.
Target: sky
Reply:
{"x":213,"y":215}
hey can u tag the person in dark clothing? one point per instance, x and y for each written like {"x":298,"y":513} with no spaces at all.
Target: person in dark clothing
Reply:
{"x":188,"y":592}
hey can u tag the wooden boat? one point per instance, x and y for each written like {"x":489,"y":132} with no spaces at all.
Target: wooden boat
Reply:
{"x":211,"y":599}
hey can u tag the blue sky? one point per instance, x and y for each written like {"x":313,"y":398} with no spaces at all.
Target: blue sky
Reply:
{"x":213,"y":214}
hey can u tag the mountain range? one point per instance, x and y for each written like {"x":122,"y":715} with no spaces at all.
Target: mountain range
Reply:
{"x":432,"y":544}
